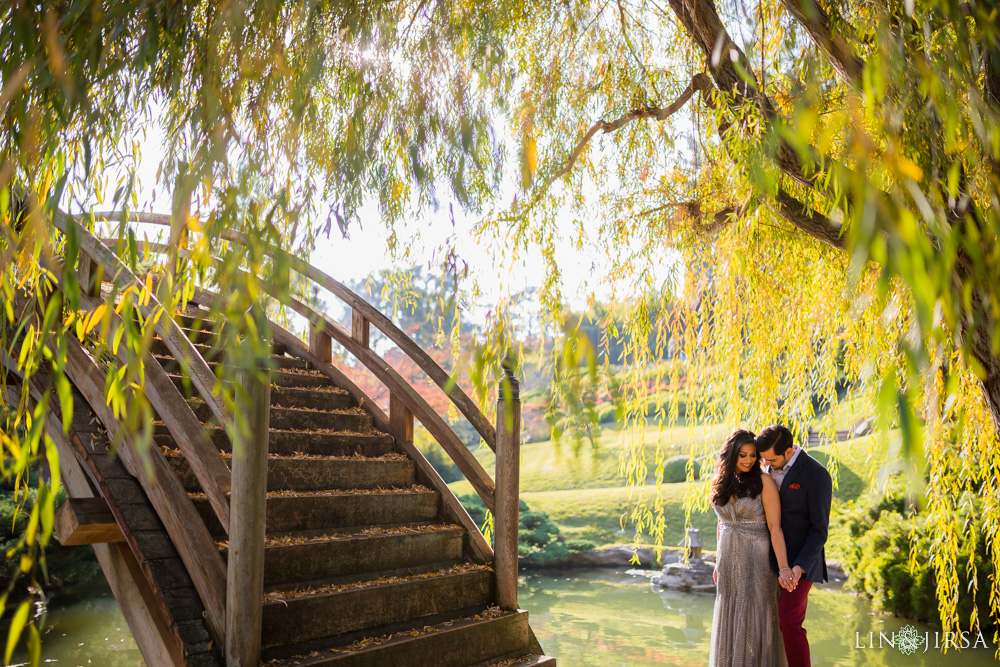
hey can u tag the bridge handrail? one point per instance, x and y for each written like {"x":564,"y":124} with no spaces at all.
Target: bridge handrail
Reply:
{"x":296,"y":347}
{"x":187,"y":531}
{"x":409,"y":401}
{"x":405,"y":402}
{"x":364,"y":313}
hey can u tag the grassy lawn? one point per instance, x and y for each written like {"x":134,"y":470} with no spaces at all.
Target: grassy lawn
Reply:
{"x":584,"y":495}
{"x":564,"y":465}
{"x":845,"y":415}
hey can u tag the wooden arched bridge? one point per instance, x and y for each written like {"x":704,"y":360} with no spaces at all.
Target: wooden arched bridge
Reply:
{"x":329,"y":539}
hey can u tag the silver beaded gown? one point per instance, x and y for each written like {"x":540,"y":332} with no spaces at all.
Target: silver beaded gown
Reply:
{"x":745,"y":629}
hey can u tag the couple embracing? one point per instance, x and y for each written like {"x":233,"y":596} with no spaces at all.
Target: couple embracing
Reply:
{"x":773,"y":503}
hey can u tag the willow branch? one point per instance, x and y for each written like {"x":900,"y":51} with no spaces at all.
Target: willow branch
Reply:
{"x":816,"y":22}
{"x":700,"y":82}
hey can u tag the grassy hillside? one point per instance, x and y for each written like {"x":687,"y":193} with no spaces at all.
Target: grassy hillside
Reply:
{"x":552,"y":465}
{"x":583,"y":493}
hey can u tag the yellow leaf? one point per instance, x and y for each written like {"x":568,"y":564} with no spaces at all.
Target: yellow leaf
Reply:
{"x":529,"y":162}
{"x":94,"y":318}
{"x":910,"y":170}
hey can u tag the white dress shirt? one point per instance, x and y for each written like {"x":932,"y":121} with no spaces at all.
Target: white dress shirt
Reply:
{"x":779,"y":475}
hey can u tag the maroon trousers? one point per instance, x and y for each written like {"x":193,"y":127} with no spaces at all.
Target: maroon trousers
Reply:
{"x":791,"y":615}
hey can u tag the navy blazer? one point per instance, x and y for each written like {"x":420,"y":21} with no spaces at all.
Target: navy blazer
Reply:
{"x":806,"y":493}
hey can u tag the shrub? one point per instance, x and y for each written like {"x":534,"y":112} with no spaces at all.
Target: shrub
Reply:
{"x":443,"y":465}
{"x":675,"y":469}
{"x":63,"y":564}
{"x":580,"y":546}
{"x":878,"y":560}
{"x":538,"y":537}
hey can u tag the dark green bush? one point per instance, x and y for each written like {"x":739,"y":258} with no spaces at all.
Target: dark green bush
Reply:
{"x":538,"y":537}
{"x":878,"y":560}
{"x":443,"y":464}
{"x":580,"y":546}
{"x":675,"y":469}
{"x":64,"y":564}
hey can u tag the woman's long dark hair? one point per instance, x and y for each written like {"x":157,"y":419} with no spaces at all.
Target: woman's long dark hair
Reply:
{"x":726,"y":482}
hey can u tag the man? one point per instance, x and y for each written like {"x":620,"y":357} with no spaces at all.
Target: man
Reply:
{"x":805,"y":490}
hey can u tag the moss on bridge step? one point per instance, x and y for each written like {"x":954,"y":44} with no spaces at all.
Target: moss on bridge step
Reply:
{"x":286,"y":375}
{"x":297,"y":619}
{"x":350,"y":419}
{"x":212,"y":354}
{"x":353,"y":554}
{"x":288,"y":442}
{"x":453,"y":643}
{"x":313,"y":474}
{"x":307,"y":398}
{"x":338,"y":510}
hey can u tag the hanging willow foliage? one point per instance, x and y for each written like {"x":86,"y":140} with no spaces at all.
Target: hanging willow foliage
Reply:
{"x":818,"y":180}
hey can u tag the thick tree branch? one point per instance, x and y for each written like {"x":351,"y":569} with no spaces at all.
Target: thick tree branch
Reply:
{"x":700,"y":82}
{"x":732,"y":73}
{"x":814,"y":224}
{"x":817,"y":23}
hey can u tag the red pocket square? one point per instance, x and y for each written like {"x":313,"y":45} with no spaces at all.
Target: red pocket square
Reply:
{"x":795,"y":486}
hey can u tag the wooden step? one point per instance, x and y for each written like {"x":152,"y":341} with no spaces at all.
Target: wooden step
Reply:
{"x":314,"y":474}
{"x":357,"y":553}
{"x":202,"y":336}
{"x":203,"y":320}
{"x":355,"y":420}
{"x":312,"y":398}
{"x":337,"y":509}
{"x":288,"y":442}
{"x":159,"y":349}
{"x":296,"y":619}
{"x":517,"y":659}
{"x":307,"y":398}
{"x":448,"y":643}
{"x":282,"y":377}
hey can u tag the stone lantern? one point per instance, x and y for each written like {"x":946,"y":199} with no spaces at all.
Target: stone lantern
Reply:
{"x":695,"y":575}
{"x":694,"y":544}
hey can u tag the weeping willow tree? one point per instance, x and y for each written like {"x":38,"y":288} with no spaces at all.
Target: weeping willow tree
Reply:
{"x":819,"y":179}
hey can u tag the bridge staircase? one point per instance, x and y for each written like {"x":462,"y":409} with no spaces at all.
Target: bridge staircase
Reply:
{"x":340,"y":546}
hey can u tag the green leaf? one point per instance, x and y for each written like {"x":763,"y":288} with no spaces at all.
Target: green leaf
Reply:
{"x":65,"y":392}
{"x":17,"y":623}
{"x":34,"y":646}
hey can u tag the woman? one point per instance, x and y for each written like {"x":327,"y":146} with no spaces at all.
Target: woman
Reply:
{"x":745,"y":624}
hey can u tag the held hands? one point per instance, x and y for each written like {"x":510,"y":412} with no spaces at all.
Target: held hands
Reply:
{"x":789,"y":577}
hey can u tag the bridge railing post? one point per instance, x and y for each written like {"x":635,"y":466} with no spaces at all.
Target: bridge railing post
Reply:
{"x":400,"y":418}
{"x":90,"y":276}
{"x":320,"y":343}
{"x":507,"y":478}
{"x":245,"y":575}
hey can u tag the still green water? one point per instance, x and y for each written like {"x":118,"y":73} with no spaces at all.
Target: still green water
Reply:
{"x":586,"y":618}
{"x":602,"y":618}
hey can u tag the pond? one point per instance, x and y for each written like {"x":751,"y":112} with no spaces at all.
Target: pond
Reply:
{"x":604,"y":618}
{"x":593,"y":617}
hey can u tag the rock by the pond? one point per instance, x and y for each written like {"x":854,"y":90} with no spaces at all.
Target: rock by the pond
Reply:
{"x":835,"y":571}
{"x":695,"y":576}
{"x":613,"y":556}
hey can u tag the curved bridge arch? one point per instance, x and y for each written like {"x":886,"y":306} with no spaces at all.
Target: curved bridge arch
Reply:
{"x":431,"y":570}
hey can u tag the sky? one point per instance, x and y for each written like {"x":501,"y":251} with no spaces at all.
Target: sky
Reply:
{"x":364,"y":250}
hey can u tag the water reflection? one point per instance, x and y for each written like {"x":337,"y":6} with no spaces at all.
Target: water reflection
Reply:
{"x":85,"y":627}
{"x":601,"y":617}
{"x":586,"y":618}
